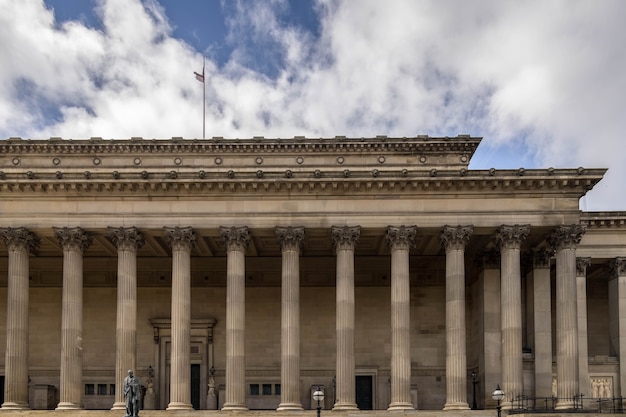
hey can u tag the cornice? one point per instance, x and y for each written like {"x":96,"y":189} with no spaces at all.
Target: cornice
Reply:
{"x":603,"y":219}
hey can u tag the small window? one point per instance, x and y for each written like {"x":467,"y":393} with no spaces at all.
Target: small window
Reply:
{"x":102,"y":389}
{"x":254,"y":389}
{"x":112,"y":389}
{"x":89,"y":389}
{"x":276,"y":389}
{"x":267,"y":389}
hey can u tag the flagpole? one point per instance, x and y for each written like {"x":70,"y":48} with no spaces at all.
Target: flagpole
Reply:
{"x":203,"y":100}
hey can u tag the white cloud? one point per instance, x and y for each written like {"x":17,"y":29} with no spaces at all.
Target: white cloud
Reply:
{"x":546,"y":77}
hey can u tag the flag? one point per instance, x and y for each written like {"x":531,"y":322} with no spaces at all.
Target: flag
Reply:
{"x":200,"y":77}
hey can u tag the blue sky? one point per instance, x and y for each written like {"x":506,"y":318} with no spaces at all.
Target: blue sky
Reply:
{"x":542,"y":81}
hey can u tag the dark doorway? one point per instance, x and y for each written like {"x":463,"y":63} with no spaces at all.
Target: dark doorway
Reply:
{"x":195,"y":386}
{"x":1,"y":389}
{"x":364,"y":392}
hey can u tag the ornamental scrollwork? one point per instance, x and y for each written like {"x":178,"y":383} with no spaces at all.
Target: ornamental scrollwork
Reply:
{"x":617,"y":267}
{"x":581,"y":266}
{"x":180,"y":238}
{"x":126,"y":238}
{"x":566,"y":237}
{"x":290,"y":238}
{"x":401,"y":237}
{"x":511,"y":237}
{"x":19,"y":238}
{"x":345,"y":237}
{"x":456,"y":237}
{"x":235,"y":238}
{"x":73,"y":238}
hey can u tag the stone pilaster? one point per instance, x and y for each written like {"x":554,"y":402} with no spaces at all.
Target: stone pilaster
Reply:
{"x":291,"y":240}
{"x":127,"y":240}
{"x":584,"y":383}
{"x":74,"y":242}
{"x":490,"y":345}
{"x":542,"y":311}
{"x":509,"y":240}
{"x":236,"y":240}
{"x":345,"y":240}
{"x":617,"y":317}
{"x":454,"y":239}
{"x":19,"y":242}
{"x":181,"y":240}
{"x":400,"y":240}
{"x":564,"y":241}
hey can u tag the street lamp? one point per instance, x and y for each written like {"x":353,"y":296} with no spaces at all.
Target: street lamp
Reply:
{"x":498,"y":395}
{"x":474,"y":382}
{"x":318,"y":396}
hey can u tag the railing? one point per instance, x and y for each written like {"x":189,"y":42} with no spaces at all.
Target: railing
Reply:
{"x":527,"y":405}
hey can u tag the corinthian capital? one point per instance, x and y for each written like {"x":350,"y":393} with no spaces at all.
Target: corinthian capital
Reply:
{"x":617,"y":267}
{"x":581,"y":266}
{"x":290,"y":238}
{"x":402,"y":237}
{"x":235,"y":238}
{"x":511,"y":237}
{"x":566,"y":237}
{"x":456,"y":237}
{"x":541,"y":258}
{"x":19,"y":238}
{"x":180,"y":238}
{"x":126,"y":238}
{"x":73,"y":238}
{"x":345,"y":237}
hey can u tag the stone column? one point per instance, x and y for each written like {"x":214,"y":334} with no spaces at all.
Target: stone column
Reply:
{"x":19,"y":242}
{"x":345,"y":240}
{"x":564,"y":241}
{"x":236,"y":240}
{"x":584,"y":383}
{"x":490,"y":344}
{"x":509,"y":240}
{"x":400,"y":240}
{"x":74,"y":242}
{"x":454,"y":239}
{"x":291,"y":240}
{"x":127,"y":240}
{"x":182,"y":241}
{"x":542,"y":319}
{"x":617,"y":318}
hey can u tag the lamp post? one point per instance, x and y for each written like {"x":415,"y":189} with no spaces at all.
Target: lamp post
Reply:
{"x":474,"y":382}
{"x":318,"y":396}
{"x":498,"y":395}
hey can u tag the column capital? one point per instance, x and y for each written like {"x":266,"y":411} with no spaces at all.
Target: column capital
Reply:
{"x":290,"y":237}
{"x":512,"y":236}
{"x":541,"y":258}
{"x":19,"y":238}
{"x":401,"y":237}
{"x":566,"y":237}
{"x":456,"y":237}
{"x":489,"y":259}
{"x":180,"y":238}
{"x":345,"y":237}
{"x":581,"y":266}
{"x":73,"y":238}
{"x":235,"y":238}
{"x":126,"y":238}
{"x":617,"y":267}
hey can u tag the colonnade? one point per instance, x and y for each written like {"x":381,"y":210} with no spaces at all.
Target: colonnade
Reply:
{"x":571,"y":334}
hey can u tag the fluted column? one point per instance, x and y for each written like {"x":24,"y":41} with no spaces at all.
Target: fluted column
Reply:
{"x":182,"y":241}
{"x":454,"y":239}
{"x":564,"y":241}
{"x":236,"y":240}
{"x":345,"y":240}
{"x":291,"y":240}
{"x":584,"y":382}
{"x":542,"y":319}
{"x":74,"y":242}
{"x":617,"y":317}
{"x":127,"y":240}
{"x":19,"y":242}
{"x":509,"y":240}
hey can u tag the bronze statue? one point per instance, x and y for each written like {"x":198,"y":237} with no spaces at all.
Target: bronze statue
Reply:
{"x":132,"y":394}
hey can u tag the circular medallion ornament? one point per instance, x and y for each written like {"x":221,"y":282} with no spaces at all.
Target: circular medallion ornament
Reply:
{"x":218,"y":161}
{"x":381,"y":159}
{"x":340,"y":160}
{"x":464,"y":158}
{"x":16,"y":161}
{"x":423,"y":159}
{"x":97,"y":161}
{"x":137,"y":161}
{"x":56,"y":161}
{"x":259,"y":160}
{"x":299,"y":160}
{"x":178,"y":161}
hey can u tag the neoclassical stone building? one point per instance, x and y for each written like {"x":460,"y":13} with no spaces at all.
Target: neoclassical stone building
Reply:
{"x":243,"y":274}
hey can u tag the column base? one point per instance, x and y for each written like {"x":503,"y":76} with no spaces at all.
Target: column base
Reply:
{"x":11,"y":405}
{"x":235,"y":407}
{"x":456,"y":406}
{"x":289,"y":407}
{"x":399,"y":406}
{"x":565,"y":405}
{"x":345,"y":406}
{"x":178,"y":406}
{"x":119,"y":406}
{"x":68,"y":406}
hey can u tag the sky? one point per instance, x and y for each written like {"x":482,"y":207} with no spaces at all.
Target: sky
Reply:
{"x":542,"y":81}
